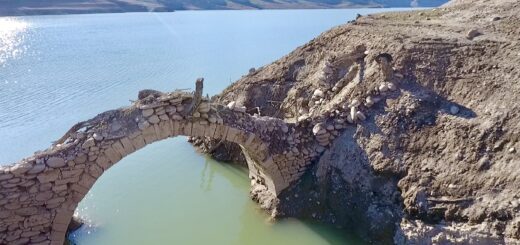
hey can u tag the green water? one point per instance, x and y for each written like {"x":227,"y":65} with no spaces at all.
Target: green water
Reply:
{"x":184,"y":197}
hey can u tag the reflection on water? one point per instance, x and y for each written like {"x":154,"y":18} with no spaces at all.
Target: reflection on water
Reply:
{"x":12,"y":35}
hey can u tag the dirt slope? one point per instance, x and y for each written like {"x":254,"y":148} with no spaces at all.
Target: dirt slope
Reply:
{"x":437,"y":159}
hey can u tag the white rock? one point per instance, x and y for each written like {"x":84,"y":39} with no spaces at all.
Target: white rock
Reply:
{"x":319,"y":128}
{"x":231,"y":105}
{"x":318,"y":93}
{"x":360,"y":116}
{"x":383,"y":87}
{"x":353,"y":111}
{"x":369,"y":101}
{"x":391,"y":86}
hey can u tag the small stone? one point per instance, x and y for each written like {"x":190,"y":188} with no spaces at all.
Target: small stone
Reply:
{"x":252,"y":70}
{"x":88,"y":143}
{"x":212,"y":119}
{"x":196,"y":114}
{"x":176,"y":117}
{"x":496,"y":18}
{"x":204,"y":108}
{"x":284,"y":128}
{"x":154,"y":119}
{"x":38,"y":168}
{"x":369,"y":101}
{"x":512,"y":150}
{"x":179,"y":107}
{"x":317,"y":93}
{"x":171,"y":109}
{"x":147,"y":112}
{"x":97,"y":137}
{"x":318,"y":129}
{"x":55,"y":162}
{"x":454,"y":109}
{"x":391,"y":86}
{"x":360,"y":116}
{"x":472,"y":34}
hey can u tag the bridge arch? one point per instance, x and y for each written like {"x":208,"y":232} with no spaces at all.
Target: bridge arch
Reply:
{"x":40,"y":194}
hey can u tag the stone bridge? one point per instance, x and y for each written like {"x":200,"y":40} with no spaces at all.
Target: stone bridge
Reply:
{"x":38,"y":195}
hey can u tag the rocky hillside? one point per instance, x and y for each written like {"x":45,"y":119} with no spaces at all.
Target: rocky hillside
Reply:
{"x":422,"y":109}
{"x":32,"y":7}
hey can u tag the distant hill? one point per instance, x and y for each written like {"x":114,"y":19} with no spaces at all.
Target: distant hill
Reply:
{"x":33,"y":7}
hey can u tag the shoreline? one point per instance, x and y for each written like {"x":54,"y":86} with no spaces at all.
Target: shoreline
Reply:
{"x":9,"y":12}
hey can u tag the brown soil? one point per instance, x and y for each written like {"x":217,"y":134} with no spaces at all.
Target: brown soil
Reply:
{"x":442,"y":153}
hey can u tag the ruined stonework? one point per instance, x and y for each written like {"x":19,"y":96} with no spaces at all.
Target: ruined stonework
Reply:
{"x":402,"y":125}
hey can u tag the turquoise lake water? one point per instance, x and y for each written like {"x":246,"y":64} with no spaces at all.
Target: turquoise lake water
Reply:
{"x":58,"y":70}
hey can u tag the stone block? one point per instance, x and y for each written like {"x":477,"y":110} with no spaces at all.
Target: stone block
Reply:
{"x":138,"y":142}
{"x":210,"y":130}
{"x":175,"y":128}
{"x":36,"y":169}
{"x":117,"y":146}
{"x":232,"y":134}
{"x":44,"y":196}
{"x":187,"y":129}
{"x":71,"y":173}
{"x":112,"y":155}
{"x":103,"y":162}
{"x":165,"y":129}
{"x":149,"y":135}
{"x":48,"y":176}
{"x":95,"y":171}
{"x":55,"y":162}
{"x":27,"y":211}
{"x":87,"y":181}
{"x":197,"y":130}
{"x":79,"y":189}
